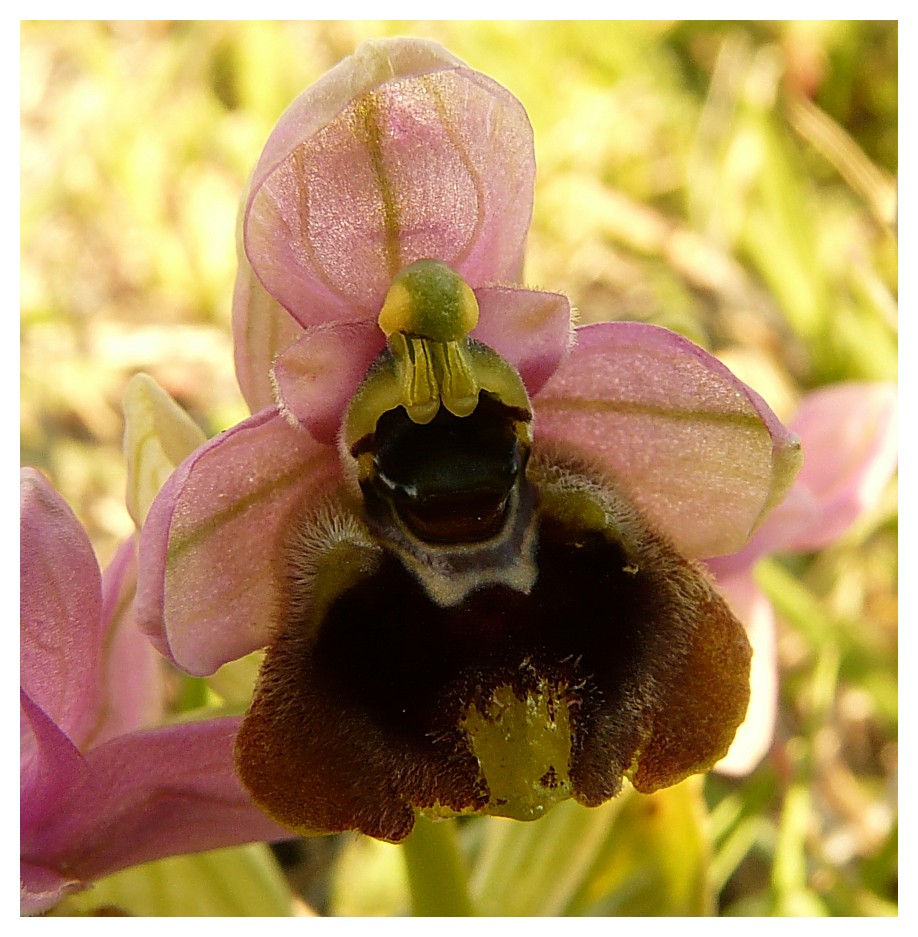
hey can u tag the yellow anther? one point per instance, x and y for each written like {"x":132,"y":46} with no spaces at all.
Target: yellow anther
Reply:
{"x":418,"y":372}
{"x":458,"y":384}
{"x":395,"y":314}
{"x":427,"y":316}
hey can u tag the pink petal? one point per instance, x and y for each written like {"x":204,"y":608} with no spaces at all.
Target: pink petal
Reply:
{"x":317,"y":376}
{"x":700,"y":453}
{"x":755,"y":736}
{"x":41,"y":888}
{"x":146,"y":796}
{"x":398,"y":154}
{"x":849,"y":433}
{"x":262,"y":328}
{"x":50,"y":766}
{"x":135,"y":689}
{"x":208,"y":551}
{"x":849,"y":438}
{"x":531,"y":329}
{"x":61,"y":626}
{"x":372,"y":64}
{"x":792,"y":517}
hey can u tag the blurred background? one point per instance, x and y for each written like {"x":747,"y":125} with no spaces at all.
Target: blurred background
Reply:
{"x":734,"y":181}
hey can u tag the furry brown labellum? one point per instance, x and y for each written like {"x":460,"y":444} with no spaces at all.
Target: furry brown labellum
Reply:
{"x":472,"y":624}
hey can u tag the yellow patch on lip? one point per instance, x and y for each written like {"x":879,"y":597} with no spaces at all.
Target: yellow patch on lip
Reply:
{"x":523,"y":747}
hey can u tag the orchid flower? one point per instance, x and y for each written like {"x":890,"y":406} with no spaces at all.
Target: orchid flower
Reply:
{"x":849,"y":433}
{"x":102,"y":786}
{"x":467,"y":534}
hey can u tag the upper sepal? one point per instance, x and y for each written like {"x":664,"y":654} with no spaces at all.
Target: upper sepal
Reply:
{"x":399,"y":153}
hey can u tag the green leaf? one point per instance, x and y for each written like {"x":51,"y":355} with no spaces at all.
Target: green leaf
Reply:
{"x":158,"y":435}
{"x":635,"y":855}
{"x":436,"y":870}
{"x":244,"y":881}
{"x":369,"y":879}
{"x":656,"y":860}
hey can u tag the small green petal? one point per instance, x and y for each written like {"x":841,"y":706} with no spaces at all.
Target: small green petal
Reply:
{"x":158,"y":435}
{"x":234,"y":681}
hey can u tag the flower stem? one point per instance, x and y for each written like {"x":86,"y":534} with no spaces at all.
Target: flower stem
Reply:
{"x":436,"y":871}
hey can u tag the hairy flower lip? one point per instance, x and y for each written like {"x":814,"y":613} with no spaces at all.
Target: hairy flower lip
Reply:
{"x":651,"y":691}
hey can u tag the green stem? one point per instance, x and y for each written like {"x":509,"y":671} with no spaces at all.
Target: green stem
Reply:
{"x":436,"y":871}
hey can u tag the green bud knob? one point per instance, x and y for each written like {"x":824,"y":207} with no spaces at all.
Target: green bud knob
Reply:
{"x":428,"y":300}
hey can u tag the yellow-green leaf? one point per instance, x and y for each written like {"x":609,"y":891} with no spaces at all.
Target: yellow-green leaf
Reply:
{"x":244,"y":881}
{"x":158,"y":435}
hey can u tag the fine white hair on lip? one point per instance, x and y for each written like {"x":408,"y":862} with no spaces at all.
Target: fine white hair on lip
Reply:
{"x":326,"y":527}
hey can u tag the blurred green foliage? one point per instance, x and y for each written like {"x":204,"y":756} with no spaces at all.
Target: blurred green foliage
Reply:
{"x":240,"y":882}
{"x":734,"y":181}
